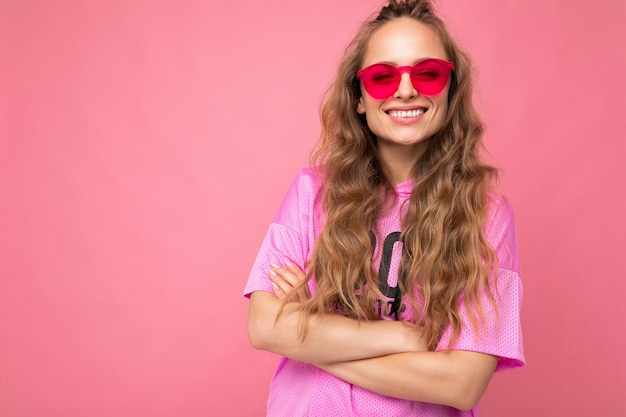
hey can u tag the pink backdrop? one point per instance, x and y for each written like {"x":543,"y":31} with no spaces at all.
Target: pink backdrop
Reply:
{"x":144,"y":147}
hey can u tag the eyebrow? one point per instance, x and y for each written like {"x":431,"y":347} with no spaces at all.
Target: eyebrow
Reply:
{"x":395,"y":64}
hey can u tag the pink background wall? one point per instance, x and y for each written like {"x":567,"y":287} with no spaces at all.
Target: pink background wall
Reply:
{"x":144,"y":147}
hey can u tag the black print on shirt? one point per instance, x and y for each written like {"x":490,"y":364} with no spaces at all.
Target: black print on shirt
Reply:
{"x":390,"y":308}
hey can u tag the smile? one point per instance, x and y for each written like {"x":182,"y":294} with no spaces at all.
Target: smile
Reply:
{"x":406,"y":113}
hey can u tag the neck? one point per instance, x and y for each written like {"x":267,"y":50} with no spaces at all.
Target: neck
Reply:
{"x":398,"y":161}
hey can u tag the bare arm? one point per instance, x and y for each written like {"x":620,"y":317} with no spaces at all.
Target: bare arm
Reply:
{"x":455,"y":378}
{"x":331,"y":338}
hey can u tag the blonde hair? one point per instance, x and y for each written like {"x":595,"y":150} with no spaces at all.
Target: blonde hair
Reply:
{"x":445,"y":254}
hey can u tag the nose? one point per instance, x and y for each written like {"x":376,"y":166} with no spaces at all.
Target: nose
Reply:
{"x":406,"y":89}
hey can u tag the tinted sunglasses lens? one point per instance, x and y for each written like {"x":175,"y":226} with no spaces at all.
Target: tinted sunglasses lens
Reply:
{"x":430,"y":77}
{"x":380,"y":80}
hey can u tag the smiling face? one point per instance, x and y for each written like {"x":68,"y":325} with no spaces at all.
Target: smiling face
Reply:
{"x":405,"y":121}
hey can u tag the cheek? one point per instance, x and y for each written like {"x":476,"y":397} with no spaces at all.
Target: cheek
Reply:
{"x":444,"y":108}
{"x":376,"y":125}
{"x":441,"y":103}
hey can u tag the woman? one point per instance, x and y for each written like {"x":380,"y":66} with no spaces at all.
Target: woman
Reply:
{"x":410,"y":295}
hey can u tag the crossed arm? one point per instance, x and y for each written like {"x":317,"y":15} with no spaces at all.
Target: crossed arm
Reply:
{"x":386,"y":357}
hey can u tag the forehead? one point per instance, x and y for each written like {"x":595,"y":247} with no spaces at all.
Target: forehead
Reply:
{"x":403,"y":41}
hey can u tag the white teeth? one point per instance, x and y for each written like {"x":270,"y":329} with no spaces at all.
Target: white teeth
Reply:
{"x":406,"y":113}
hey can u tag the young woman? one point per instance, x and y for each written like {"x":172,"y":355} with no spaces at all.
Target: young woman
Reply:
{"x":389,"y":279}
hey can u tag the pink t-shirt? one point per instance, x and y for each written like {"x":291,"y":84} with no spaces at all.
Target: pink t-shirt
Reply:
{"x":302,"y":389}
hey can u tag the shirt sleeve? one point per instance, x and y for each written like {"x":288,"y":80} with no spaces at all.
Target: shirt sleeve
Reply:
{"x":500,"y":332}
{"x":291,"y":233}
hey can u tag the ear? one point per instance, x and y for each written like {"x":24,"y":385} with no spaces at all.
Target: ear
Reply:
{"x":360,"y":108}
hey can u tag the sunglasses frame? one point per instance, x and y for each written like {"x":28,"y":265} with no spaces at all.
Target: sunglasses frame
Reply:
{"x":373,"y":89}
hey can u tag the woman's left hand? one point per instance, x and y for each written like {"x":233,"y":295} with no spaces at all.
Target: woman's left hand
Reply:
{"x":285,"y":279}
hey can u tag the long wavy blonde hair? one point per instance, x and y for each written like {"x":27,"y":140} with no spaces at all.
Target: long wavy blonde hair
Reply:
{"x":445,"y":255}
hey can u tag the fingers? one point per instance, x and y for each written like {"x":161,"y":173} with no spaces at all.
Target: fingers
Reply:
{"x":279,"y":285}
{"x":290,"y":273}
{"x":285,"y":279}
{"x":303,"y":293}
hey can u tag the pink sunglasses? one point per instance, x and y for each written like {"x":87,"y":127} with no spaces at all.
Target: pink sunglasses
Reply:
{"x":429,"y":76}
